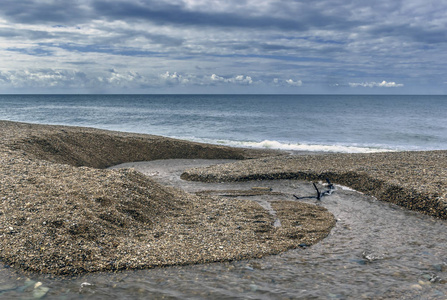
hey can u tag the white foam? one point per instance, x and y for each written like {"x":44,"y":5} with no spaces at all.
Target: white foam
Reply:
{"x":313,"y":147}
{"x":346,"y":188}
{"x":269,"y":144}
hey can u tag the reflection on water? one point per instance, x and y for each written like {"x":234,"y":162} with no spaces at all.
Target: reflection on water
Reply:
{"x":376,"y":251}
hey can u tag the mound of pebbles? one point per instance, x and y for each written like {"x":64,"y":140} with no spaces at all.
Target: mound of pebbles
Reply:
{"x":61,"y":213}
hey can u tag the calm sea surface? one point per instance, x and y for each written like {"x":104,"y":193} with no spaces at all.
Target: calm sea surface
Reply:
{"x":336,"y":123}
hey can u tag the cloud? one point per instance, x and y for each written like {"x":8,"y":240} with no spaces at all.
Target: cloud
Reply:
{"x":35,"y":51}
{"x":164,"y":13}
{"x":238,"y":79}
{"x":241,"y":79}
{"x":109,"y":79}
{"x":293,"y":15}
{"x":287,"y":82}
{"x":53,"y":79}
{"x":217,"y":78}
{"x":376,"y":84}
{"x":31,"y":34}
{"x":174,"y":78}
{"x":122,"y":79}
{"x":51,"y":11}
{"x":232,"y":44}
{"x":294,"y":83}
{"x":43,"y":78}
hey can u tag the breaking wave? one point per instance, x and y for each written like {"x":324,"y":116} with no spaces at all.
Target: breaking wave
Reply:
{"x":276,"y":145}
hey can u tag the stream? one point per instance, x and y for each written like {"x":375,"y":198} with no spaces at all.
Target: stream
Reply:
{"x":376,"y":251}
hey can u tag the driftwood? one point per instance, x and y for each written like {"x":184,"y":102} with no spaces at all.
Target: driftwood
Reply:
{"x":319,"y":193}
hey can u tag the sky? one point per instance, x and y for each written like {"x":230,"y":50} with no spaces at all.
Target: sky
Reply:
{"x":224,"y":46}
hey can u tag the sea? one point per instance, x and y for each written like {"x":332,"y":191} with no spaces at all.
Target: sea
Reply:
{"x":328,"y":123}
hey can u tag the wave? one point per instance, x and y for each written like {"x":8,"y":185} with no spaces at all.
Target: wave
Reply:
{"x":276,"y":145}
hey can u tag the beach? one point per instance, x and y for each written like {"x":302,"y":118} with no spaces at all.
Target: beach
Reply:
{"x":64,"y":213}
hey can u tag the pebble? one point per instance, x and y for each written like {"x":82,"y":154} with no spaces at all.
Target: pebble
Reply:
{"x":416,"y":287}
{"x":253,"y":287}
{"x":85,"y":286}
{"x":40,"y":292}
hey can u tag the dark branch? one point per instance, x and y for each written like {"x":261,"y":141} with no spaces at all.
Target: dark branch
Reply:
{"x":320,"y":194}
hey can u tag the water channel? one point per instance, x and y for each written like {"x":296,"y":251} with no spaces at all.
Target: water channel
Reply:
{"x":376,"y":251}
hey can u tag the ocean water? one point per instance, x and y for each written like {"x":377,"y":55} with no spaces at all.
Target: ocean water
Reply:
{"x":332,"y":123}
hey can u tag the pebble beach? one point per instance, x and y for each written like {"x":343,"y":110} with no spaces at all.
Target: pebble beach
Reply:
{"x":416,"y":180}
{"x":63,"y":213}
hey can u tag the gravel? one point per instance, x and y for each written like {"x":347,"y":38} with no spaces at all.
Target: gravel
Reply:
{"x":63,"y":213}
{"x":414,"y":180}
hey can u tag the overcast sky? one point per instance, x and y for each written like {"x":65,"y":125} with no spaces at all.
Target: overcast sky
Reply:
{"x":223,"y":46}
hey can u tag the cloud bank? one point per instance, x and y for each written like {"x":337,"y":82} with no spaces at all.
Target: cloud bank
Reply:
{"x":236,"y":46}
{"x":376,"y":84}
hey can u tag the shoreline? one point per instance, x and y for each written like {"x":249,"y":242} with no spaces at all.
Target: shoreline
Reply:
{"x":63,"y":213}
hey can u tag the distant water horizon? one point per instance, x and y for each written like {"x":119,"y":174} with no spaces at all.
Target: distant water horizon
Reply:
{"x":328,"y":123}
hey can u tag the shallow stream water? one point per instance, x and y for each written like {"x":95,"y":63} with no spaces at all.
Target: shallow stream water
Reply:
{"x":375,"y":251}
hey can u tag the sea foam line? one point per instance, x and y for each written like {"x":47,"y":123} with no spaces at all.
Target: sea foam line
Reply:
{"x":276,"y":145}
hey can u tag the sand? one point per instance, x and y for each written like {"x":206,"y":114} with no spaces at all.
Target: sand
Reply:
{"x":62,"y":213}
